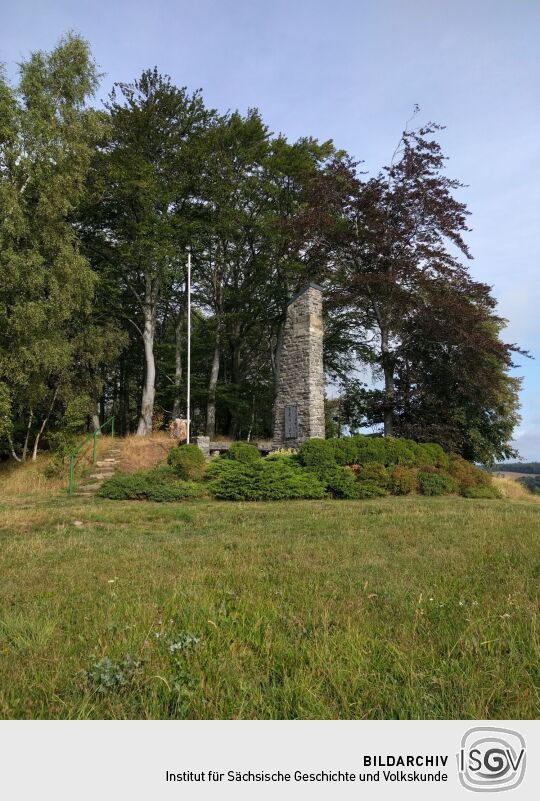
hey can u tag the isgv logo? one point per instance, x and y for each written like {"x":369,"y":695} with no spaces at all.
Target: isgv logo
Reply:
{"x":491,"y":759}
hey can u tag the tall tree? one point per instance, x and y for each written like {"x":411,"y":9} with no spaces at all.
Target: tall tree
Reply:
{"x":47,"y":136}
{"x":399,"y":232}
{"x":143,"y":183}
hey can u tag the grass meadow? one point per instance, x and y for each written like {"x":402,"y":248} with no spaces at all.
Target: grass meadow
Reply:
{"x":394,"y":608}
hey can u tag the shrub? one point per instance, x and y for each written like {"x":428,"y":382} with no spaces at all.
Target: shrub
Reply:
{"x":188,"y":462}
{"x":468,"y":475}
{"x":369,"y":449}
{"x":281,"y":480}
{"x":338,"y":480}
{"x":317,"y":453}
{"x":275,"y":479}
{"x":360,"y":449}
{"x":373,"y":471}
{"x":385,"y":450}
{"x":369,"y":489}
{"x":344,"y":450}
{"x":432,"y":483}
{"x":159,"y":484}
{"x":429,"y":453}
{"x":402,"y":480}
{"x":481,"y":492}
{"x":243,"y":452}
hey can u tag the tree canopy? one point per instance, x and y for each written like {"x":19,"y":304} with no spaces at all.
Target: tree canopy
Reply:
{"x":99,"y":205}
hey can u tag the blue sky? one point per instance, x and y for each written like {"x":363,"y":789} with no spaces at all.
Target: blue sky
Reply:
{"x":351,"y":70}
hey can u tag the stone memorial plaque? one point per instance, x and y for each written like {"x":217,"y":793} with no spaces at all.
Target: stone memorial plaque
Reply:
{"x":291,"y":422}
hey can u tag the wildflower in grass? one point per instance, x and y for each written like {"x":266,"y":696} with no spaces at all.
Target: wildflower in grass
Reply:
{"x":185,"y":642}
{"x":107,"y":676}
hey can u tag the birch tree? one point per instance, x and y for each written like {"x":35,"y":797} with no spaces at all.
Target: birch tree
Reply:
{"x":47,"y":137}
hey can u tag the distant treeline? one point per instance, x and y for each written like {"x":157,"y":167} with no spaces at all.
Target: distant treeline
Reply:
{"x":518,"y":467}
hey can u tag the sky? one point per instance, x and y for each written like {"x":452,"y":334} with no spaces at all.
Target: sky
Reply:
{"x":351,"y":71}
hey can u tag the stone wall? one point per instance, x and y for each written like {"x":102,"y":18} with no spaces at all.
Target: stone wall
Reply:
{"x":299,"y":405}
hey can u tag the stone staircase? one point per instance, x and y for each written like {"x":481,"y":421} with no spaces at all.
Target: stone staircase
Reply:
{"x":103,"y":468}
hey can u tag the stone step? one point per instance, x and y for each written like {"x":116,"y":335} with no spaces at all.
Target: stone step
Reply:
{"x":90,"y":487}
{"x":101,"y":476}
{"x":106,"y":462}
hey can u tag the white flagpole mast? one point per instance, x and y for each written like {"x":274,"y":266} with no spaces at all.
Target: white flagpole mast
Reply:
{"x":188,"y":404}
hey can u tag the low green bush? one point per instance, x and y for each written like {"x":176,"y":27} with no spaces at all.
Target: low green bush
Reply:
{"x":345,"y":450}
{"x":265,"y":480}
{"x":369,"y":489}
{"x":433,"y":483}
{"x":373,"y":471}
{"x":318,"y":453}
{"x":243,"y":452}
{"x":362,"y":450}
{"x":402,"y":480}
{"x":429,"y":453}
{"x":337,"y":480}
{"x":188,"y":462}
{"x":158,"y":484}
{"x":481,"y":492}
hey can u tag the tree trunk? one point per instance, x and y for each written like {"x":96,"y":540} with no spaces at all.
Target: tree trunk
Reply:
{"x":12,"y":448}
{"x":387,"y":363}
{"x":95,"y":417}
{"x":177,"y":406}
{"x":149,"y":389}
{"x":42,"y":427}
{"x":212,"y":384}
{"x":27,"y":438}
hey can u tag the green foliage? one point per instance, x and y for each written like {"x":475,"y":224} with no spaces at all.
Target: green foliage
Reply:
{"x":433,"y":483}
{"x":481,"y":492}
{"x":362,"y":450}
{"x":373,"y":471}
{"x":106,"y":676}
{"x":338,"y":480}
{"x":264,"y":480}
{"x":429,"y":453}
{"x":96,"y":207}
{"x":188,"y":462}
{"x":150,"y":485}
{"x":345,"y":450}
{"x":76,"y":414}
{"x":6,"y":423}
{"x":317,"y":453}
{"x":243,"y":452}
{"x":518,"y":467}
{"x":472,"y":481}
{"x":49,"y":136}
{"x":402,"y":480}
{"x":532,"y":483}
{"x":369,"y":489}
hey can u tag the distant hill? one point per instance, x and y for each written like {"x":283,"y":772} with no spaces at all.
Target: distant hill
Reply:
{"x":517,"y":467}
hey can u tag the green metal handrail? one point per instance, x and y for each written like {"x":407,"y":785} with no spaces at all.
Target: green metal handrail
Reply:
{"x":81,"y":446}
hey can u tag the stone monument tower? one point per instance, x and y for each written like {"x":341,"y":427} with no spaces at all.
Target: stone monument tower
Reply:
{"x":299,"y":405}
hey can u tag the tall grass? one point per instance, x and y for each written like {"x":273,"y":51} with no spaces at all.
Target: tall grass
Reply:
{"x":44,"y":475}
{"x":513,"y":489}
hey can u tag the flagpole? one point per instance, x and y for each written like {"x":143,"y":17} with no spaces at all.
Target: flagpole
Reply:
{"x":188,"y":404}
